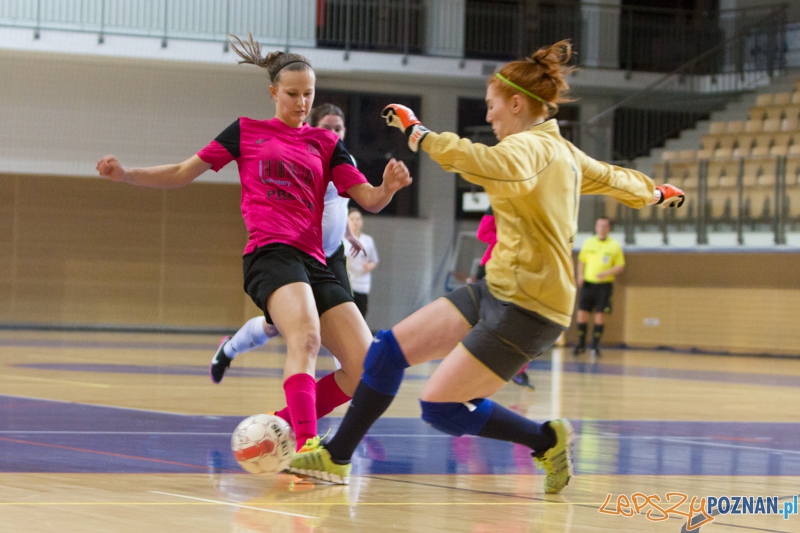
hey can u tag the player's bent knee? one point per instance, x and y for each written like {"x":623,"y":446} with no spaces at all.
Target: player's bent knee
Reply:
{"x":385,"y":364}
{"x":457,"y":419}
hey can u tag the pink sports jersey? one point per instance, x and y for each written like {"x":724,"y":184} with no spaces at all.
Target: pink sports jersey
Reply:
{"x":284,"y":173}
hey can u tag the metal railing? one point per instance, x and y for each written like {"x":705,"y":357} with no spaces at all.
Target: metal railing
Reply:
{"x":629,"y":38}
{"x":637,"y":131}
{"x":386,"y":25}
{"x":738,"y":206}
{"x":646,"y":119}
{"x":273,"y":22}
{"x":757,"y":51}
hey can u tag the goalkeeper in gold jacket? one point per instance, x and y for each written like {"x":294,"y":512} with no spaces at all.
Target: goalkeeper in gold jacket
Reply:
{"x":488,"y":330}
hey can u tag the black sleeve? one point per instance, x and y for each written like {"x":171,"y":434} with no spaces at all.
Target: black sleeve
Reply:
{"x":341,"y":156}
{"x":229,"y":139}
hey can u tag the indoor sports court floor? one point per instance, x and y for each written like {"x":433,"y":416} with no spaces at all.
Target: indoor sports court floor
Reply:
{"x":125,"y":432}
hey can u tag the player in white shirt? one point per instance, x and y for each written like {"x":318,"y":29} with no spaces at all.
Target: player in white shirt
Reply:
{"x":360,"y":266}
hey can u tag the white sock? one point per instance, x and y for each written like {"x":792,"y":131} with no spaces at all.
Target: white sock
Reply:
{"x":249,"y":336}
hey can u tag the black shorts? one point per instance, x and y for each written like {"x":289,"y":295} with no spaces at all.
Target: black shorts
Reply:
{"x":596,"y":297}
{"x":337,"y":262}
{"x":504,"y":336}
{"x":270,"y":267}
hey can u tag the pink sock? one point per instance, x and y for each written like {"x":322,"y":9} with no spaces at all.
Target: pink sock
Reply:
{"x":329,"y":397}
{"x":301,"y":398}
{"x":285,"y":414}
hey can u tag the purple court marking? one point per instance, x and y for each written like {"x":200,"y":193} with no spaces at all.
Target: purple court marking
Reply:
{"x":48,"y":436}
{"x":170,"y":370}
{"x":779,"y":380}
{"x":210,"y":347}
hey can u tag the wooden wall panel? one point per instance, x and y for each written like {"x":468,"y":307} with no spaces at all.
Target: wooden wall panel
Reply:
{"x":6,"y":298}
{"x":6,"y":262}
{"x":7,"y":242}
{"x":719,"y":319}
{"x":735,"y":319}
{"x":79,"y":231}
{"x":754,"y":269}
{"x":83,"y":252}
{"x":203,"y":268}
{"x":211,"y":200}
{"x":203,"y":306}
{"x":86,"y":195}
{"x":94,"y":252}
{"x":115,"y":304}
{"x":205,"y":233}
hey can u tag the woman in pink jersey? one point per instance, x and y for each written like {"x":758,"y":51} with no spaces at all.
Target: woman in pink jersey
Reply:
{"x":285,"y":167}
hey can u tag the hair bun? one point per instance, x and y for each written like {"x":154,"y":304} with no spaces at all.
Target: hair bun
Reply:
{"x":272,"y":57}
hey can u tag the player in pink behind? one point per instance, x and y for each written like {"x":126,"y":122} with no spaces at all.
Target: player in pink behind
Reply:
{"x":487,"y":232}
{"x":284,"y":168}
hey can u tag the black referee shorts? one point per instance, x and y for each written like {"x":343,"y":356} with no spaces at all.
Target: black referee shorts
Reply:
{"x":270,"y":267}
{"x":596,"y":297}
{"x":504,"y":336}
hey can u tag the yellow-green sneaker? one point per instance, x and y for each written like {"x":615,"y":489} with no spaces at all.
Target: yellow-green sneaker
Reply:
{"x":557,"y":461}
{"x":313,"y":460}
{"x":311,"y":444}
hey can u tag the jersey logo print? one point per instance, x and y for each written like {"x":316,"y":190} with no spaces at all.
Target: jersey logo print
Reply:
{"x":278,"y":173}
{"x":312,"y":147}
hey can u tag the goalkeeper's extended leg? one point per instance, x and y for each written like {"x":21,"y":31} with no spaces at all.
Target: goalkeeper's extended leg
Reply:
{"x":551,"y":442}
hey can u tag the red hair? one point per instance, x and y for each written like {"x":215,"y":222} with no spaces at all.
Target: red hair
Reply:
{"x":543,"y":73}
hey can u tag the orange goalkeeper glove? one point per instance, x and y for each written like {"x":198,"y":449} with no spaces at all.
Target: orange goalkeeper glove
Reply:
{"x":668,"y":196}
{"x":404,"y":119}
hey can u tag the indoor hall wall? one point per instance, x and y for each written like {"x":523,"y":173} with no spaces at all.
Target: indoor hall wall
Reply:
{"x":61,"y":114}
{"x":91,"y":252}
{"x":745,"y":302}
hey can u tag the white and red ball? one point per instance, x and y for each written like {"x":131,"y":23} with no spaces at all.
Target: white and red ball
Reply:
{"x":263,"y":444}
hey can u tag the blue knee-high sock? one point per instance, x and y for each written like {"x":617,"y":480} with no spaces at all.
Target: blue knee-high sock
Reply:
{"x":383,"y":373}
{"x":504,"y":424}
{"x":485,"y":418}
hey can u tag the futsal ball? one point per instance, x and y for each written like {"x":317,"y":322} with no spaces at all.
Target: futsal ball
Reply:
{"x":263,"y":444}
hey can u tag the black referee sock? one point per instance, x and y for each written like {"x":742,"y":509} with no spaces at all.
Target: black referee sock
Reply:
{"x":597,"y":332}
{"x":504,"y":424}
{"x":366,"y":407}
{"x":582,"y":329}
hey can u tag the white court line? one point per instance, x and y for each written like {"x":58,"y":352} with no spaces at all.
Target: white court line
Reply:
{"x":64,"y":381}
{"x":556,"y":376}
{"x":703,"y":441}
{"x":218,"y":502}
{"x":720,"y":445}
{"x":119,"y":408}
{"x":697,"y":441}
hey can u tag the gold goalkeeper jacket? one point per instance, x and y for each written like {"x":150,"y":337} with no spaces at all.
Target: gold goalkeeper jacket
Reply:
{"x":534,"y":180}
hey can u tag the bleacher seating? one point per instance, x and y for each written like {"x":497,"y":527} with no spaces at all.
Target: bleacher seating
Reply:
{"x":748,"y":150}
